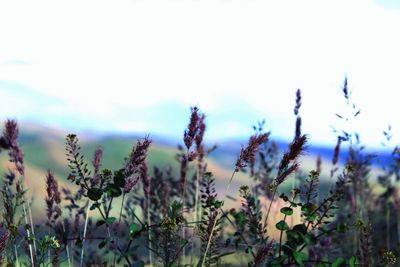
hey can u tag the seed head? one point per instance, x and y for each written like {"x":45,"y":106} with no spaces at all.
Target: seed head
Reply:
{"x":248,"y":154}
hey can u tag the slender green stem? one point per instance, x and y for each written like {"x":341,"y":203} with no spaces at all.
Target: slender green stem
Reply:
{"x":84,"y":233}
{"x":28,"y":232}
{"x":32,"y":226}
{"x":216,"y":219}
{"x":109,"y":207}
{"x":269,"y":208}
{"x":120,"y":210}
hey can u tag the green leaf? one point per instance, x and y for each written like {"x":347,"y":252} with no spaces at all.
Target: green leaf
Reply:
{"x":94,"y":194}
{"x":310,"y":239}
{"x":104,"y":243}
{"x":284,"y":197}
{"x":339,"y":262}
{"x":110,"y":220}
{"x":218,"y":204}
{"x":299,"y":257}
{"x":134,"y":230}
{"x":119,"y":178}
{"x":71,"y":178}
{"x":287,"y":211}
{"x":100,"y":223}
{"x":113,"y":190}
{"x":301,"y":228}
{"x":294,"y":238}
{"x":353,"y":261}
{"x":282,"y":225}
{"x":308,"y":208}
{"x":94,"y":206}
{"x":311,"y":217}
{"x":241,"y":218}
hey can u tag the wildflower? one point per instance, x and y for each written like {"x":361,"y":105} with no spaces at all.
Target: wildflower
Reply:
{"x":289,"y":164}
{"x":130,"y":183}
{"x":248,"y":154}
{"x":145,"y":179}
{"x":98,"y":156}
{"x":200,"y":151}
{"x":193,"y":127}
{"x":134,"y":167}
{"x":138,"y":155}
{"x":53,"y":198}
{"x":296,"y":112}
{"x":298,"y":102}
{"x":10,"y":138}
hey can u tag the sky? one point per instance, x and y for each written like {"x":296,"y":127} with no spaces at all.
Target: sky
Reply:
{"x":138,"y":66}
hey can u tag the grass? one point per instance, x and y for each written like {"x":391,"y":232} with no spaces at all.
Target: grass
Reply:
{"x":134,"y":203}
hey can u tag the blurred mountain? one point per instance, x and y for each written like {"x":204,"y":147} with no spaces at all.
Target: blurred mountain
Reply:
{"x":44,"y":150}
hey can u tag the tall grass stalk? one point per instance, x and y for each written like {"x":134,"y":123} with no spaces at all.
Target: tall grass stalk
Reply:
{"x":32,"y":226}
{"x":215,"y":221}
{"x":84,"y":233}
{"x":28,"y":232}
{"x":269,"y":208}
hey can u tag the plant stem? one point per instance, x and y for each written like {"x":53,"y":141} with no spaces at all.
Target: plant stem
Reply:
{"x":196,"y":203}
{"x":149,"y":234}
{"x":120,"y":210}
{"x":116,"y":246}
{"x":119,"y":221}
{"x":216,"y":219}
{"x":269,"y":208}
{"x":28,"y":233}
{"x":32,"y":227}
{"x":84,"y":233}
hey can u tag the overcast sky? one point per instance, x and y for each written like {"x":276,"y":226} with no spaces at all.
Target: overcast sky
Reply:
{"x":138,"y":66}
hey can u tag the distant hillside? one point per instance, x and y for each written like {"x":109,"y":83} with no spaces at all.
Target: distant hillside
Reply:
{"x":44,"y":150}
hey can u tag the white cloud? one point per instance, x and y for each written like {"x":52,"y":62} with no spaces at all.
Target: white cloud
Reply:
{"x":134,"y":55}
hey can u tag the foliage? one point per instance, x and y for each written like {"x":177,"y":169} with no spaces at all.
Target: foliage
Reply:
{"x":134,"y":215}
